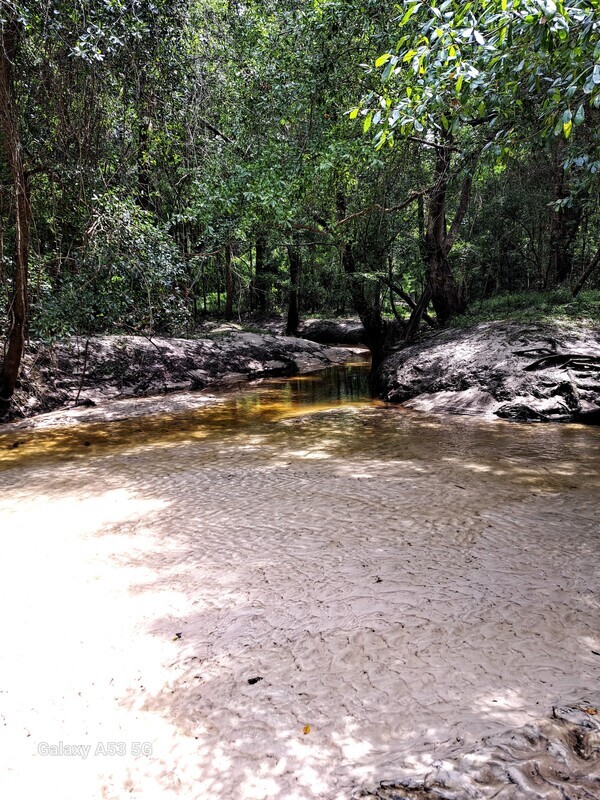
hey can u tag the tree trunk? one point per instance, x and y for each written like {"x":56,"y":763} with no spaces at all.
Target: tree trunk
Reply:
{"x":261,"y":275}
{"x":446,"y":296}
{"x":9,"y":122}
{"x":564,"y":225}
{"x":418,"y":313}
{"x":381,"y":335}
{"x":295,"y":261}
{"x":143,"y":170}
{"x":228,"y":284}
{"x":593,"y":265}
{"x":218,"y":267}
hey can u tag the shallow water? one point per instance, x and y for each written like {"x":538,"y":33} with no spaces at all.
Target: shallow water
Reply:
{"x":403,"y":586}
{"x":231,"y":411}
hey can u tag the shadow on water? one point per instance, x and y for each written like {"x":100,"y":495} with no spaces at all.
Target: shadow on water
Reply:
{"x":226,"y":412}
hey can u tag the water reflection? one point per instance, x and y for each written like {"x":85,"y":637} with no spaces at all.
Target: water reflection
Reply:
{"x":240,"y":408}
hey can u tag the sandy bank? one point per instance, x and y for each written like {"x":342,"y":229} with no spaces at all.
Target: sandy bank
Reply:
{"x":525,"y":372}
{"x":301,"y":609}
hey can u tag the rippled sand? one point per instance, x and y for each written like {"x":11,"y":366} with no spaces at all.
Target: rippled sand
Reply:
{"x":401,"y":586}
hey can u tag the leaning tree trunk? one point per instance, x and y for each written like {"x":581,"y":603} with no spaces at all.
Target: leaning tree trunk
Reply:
{"x":9,"y":123}
{"x":295,"y":261}
{"x":591,"y":267}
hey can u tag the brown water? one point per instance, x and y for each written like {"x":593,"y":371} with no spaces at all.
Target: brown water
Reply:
{"x":403,"y":585}
{"x":231,"y":411}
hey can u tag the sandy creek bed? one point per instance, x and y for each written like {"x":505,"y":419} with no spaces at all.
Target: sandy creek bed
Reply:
{"x":402,"y":585}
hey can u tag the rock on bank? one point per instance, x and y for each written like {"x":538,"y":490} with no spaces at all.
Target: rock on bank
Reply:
{"x":523,"y":372}
{"x":88,"y":371}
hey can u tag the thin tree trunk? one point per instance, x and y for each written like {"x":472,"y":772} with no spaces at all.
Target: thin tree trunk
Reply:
{"x":143,"y":171}
{"x":218,"y":265}
{"x":564,"y":225}
{"x":446,"y":296}
{"x":9,"y":123}
{"x":261,"y":279}
{"x":295,"y":262}
{"x":251,"y":292}
{"x":228,"y":284}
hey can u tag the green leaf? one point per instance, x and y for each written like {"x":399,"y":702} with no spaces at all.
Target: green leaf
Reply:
{"x":411,"y":10}
{"x":388,"y":71}
{"x":567,"y":126}
{"x":354,"y":113}
{"x":368,"y":121}
{"x":383,"y":59}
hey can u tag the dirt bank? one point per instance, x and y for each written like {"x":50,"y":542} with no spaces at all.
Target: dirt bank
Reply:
{"x":86,"y":372}
{"x":524,"y":372}
{"x":516,"y":371}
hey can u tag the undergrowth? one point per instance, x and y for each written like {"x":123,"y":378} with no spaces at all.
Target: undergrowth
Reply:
{"x":533,"y":306}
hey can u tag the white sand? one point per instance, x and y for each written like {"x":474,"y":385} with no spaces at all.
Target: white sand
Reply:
{"x":403,"y":587}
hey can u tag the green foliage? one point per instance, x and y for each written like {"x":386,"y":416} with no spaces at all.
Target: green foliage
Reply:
{"x":127,"y":278}
{"x":464,"y":64}
{"x":159,"y":136}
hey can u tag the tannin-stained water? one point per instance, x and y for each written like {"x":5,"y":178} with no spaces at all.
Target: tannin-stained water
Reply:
{"x":291,"y":592}
{"x":179,"y":417}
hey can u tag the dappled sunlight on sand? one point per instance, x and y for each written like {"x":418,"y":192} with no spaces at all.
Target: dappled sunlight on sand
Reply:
{"x":288,"y":601}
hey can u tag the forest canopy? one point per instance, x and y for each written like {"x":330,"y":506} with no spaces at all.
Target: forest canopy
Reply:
{"x":163,"y":161}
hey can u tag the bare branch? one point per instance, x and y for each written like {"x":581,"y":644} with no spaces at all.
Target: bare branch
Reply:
{"x":435,"y":145}
{"x":383,"y":209}
{"x":213,"y":129}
